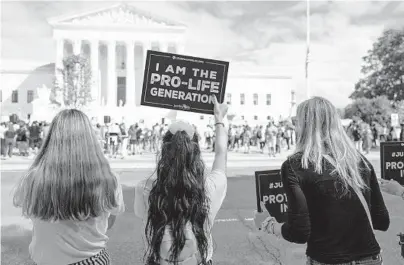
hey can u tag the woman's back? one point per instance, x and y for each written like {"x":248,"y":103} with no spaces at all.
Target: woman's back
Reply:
{"x":70,"y":194}
{"x":323,"y":182}
{"x":336,"y":227}
{"x":68,"y":241}
{"x":216,"y":187}
{"x":179,"y":203}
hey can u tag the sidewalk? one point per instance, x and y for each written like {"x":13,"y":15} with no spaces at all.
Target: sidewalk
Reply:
{"x":153,"y":157}
{"x":148,"y":161}
{"x":205,"y":153}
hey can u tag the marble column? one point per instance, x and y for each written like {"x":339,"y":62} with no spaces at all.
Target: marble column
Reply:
{"x":163,"y":46}
{"x":146,"y":46}
{"x":60,"y":45}
{"x":95,"y":93}
{"x":77,"y":47}
{"x":180,"y":48}
{"x":130,"y":74}
{"x":112,"y":82}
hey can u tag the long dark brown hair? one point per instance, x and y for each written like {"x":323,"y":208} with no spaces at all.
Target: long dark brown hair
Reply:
{"x":178,"y":196}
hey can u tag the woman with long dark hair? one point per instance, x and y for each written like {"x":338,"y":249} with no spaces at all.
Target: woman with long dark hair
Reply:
{"x":334,"y":199}
{"x":179,"y":203}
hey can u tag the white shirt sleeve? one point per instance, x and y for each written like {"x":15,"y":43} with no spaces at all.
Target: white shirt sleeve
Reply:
{"x":119,"y":198}
{"x":216,"y":185}
{"x":142,"y":191}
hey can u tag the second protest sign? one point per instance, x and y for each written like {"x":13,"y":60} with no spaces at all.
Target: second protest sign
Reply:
{"x":271,"y":192}
{"x":182,"y":82}
{"x":392,"y":161}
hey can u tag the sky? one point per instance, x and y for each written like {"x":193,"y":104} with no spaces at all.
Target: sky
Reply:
{"x":266,"y":36}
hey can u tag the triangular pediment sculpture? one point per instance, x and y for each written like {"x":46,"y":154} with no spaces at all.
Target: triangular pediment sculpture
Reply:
{"x":122,"y":14}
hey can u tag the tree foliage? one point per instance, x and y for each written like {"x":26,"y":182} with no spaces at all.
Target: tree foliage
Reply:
{"x":377,"y":109}
{"x":73,"y":88}
{"x":383,"y":68}
{"x":341,"y":112}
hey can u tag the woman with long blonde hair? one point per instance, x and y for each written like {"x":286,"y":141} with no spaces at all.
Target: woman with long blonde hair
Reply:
{"x":334,"y":199}
{"x":70,"y":194}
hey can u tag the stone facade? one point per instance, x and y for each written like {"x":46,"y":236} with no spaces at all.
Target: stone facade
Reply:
{"x":115,"y":40}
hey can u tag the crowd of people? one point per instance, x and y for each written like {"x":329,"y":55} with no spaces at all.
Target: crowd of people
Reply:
{"x":22,"y":138}
{"x":121,"y":140}
{"x":272,"y":137}
{"x":367,"y":136}
{"x":72,"y":196}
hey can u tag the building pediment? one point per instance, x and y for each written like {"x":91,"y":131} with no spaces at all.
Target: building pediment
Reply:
{"x":125,"y":15}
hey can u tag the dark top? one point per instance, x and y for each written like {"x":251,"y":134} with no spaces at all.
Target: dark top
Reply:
{"x":9,"y":134}
{"x":335,"y":227}
{"x":35,"y":132}
{"x":138,"y":133}
{"x":356,"y":134}
{"x":375,"y":132}
{"x":22,"y":135}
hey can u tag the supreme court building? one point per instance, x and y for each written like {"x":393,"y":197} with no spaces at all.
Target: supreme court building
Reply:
{"x":115,"y":40}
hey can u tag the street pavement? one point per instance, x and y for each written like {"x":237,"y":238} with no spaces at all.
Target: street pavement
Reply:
{"x":235,"y":242}
{"x":132,"y":169}
{"x":148,"y":161}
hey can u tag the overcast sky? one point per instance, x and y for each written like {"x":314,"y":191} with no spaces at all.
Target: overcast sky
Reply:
{"x":266,"y":35}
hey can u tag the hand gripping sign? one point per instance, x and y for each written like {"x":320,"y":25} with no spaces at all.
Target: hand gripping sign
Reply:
{"x":182,"y":82}
{"x":392,"y":161}
{"x":270,"y":191}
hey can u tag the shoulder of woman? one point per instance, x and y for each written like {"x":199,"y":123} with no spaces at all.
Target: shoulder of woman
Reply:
{"x":146,"y":184}
{"x":293,"y":161}
{"x":365,"y":162}
{"x":295,"y":157}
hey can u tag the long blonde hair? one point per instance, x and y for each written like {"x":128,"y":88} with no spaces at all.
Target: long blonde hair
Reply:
{"x":70,"y":178}
{"x":320,"y":135}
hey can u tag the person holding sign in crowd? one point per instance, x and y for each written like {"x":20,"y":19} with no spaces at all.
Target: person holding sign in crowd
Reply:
{"x":70,"y":194}
{"x":179,"y":204}
{"x":333,"y":196}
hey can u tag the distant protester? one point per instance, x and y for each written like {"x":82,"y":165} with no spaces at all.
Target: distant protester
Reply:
{"x":178,"y":204}
{"x":402,"y":133}
{"x":23,"y":140}
{"x":333,"y":196}
{"x":10,"y":136}
{"x":70,"y":194}
{"x":3,"y":129}
{"x":35,"y":136}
